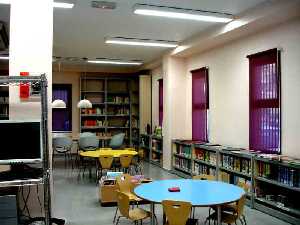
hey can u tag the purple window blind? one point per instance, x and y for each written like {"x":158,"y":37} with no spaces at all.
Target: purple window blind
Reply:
{"x":161,"y":100}
{"x":200,"y":104}
{"x":265,"y":125}
{"x":61,"y":118}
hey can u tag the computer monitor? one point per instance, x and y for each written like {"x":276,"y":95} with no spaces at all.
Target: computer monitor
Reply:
{"x":20,"y":142}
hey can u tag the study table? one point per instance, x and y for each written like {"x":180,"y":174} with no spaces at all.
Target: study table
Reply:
{"x":114,"y":153}
{"x":200,"y":193}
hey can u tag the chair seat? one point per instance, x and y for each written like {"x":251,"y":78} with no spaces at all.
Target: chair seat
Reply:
{"x":133,"y":197}
{"x":138,"y":214}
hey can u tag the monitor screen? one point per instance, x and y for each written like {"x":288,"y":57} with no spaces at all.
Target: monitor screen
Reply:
{"x":20,"y":141}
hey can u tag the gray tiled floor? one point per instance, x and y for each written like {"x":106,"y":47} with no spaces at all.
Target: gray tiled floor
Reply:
{"x":77,"y":200}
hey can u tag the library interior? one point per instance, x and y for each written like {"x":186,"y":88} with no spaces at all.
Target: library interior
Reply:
{"x":162,"y":112}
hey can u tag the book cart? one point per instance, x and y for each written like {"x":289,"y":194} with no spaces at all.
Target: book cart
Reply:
{"x":274,"y":184}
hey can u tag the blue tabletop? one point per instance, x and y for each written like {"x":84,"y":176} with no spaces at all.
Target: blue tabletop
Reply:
{"x":197,"y":192}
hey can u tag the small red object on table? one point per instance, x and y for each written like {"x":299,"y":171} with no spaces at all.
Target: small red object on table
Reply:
{"x":174,"y":189}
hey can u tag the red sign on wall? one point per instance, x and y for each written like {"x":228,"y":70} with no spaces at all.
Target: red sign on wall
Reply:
{"x":24,"y":88}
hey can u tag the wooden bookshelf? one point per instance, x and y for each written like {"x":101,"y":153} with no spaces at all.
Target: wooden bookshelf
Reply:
{"x":153,"y":148}
{"x":115,"y":106}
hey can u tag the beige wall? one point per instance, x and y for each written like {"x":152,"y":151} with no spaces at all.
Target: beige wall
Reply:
{"x":72,"y":78}
{"x":229,"y":81}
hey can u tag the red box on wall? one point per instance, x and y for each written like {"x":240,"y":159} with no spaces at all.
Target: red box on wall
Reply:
{"x":24,"y":88}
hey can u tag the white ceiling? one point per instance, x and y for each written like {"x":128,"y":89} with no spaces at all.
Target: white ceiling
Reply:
{"x":80,"y":32}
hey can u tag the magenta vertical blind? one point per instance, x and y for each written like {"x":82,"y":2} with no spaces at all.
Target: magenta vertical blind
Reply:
{"x":265,"y":125}
{"x":200,"y":104}
{"x":161,"y":100}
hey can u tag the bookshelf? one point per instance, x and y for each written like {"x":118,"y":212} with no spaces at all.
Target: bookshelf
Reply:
{"x":145,"y":145}
{"x":274,"y":185}
{"x":4,"y":103}
{"x":115,"y":106}
{"x":153,"y":148}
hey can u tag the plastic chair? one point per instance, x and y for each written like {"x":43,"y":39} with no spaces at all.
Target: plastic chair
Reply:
{"x":135,"y":215}
{"x":106,"y":162}
{"x":125,"y":185}
{"x":63,"y":145}
{"x":125,"y":160}
{"x":86,"y":134}
{"x":116,"y":141}
{"x":177,"y":212}
{"x":204,"y":177}
{"x":232,"y":217}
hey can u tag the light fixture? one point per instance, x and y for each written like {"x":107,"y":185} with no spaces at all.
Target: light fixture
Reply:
{"x":55,"y":4}
{"x":115,"y":62}
{"x":63,"y":5}
{"x":141,"y":42}
{"x":4,"y":57}
{"x":84,"y":104}
{"x":179,"y":13}
{"x":58,"y":104}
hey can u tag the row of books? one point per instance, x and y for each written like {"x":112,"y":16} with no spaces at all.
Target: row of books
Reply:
{"x":182,"y":163}
{"x":237,"y":164}
{"x":183,"y":150}
{"x":206,"y":156}
{"x":99,"y":123}
{"x":285,"y":175}
{"x":203,"y":169}
{"x":98,"y":111}
{"x":156,"y":145}
{"x":118,"y":99}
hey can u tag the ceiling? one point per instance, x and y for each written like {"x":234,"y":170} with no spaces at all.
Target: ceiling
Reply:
{"x":80,"y":32}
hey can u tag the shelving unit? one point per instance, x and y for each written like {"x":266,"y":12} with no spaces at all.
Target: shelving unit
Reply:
{"x":4,"y":103}
{"x":145,"y":145}
{"x":274,"y":185}
{"x":153,"y":148}
{"x":115,"y":107}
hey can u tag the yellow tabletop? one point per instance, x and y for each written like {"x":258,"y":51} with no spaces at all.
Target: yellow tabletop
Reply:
{"x":114,"y":153}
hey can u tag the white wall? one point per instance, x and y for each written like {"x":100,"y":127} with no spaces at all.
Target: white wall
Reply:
{"x":144,"y":101}
{"x":156,"y":75}
{"x":229,"y":86}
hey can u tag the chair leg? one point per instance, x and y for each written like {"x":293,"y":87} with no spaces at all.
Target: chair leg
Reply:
{"x":118,"y":220}
{"x":115,"y":216}
{"x":244,"y":218}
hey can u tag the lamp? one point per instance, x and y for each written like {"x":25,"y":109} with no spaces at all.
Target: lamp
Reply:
{"x":58,"y":104}
{"x":84,"y":104}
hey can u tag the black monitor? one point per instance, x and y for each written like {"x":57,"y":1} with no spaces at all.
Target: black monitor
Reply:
{"x":20,"y":142}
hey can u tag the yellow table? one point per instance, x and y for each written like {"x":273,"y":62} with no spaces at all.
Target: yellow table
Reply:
{"x":114,"y":153}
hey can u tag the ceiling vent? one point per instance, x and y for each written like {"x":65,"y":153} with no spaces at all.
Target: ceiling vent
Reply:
{"x":103,"y":5}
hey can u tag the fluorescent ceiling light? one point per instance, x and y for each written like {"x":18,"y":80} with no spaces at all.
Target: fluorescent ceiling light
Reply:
{"x":4,"y":58}
{"x":178,"y":13}
{"x":63,"y":5}
{"x":141,"y":42}
{"x":55,"y":4}
{"x":115,"y":62}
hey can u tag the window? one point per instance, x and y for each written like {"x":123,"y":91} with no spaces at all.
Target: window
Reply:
{"x":161,"y":101}
{"x":265,"y":129}
{"x":62,"y":118}
{"x":200,"y":104}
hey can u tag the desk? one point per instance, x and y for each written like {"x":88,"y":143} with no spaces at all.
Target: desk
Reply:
{"x":114,"y":153}
{"x":199,"y":193}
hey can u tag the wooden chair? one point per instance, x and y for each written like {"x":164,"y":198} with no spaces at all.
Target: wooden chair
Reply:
{"x":125,"y":160}
{"x":177,"y":212}
{"x":232,"y":217}
{"x":106,"y":162}
{"x":125,"y":185}
{"x":135,"y":215}
{"x":204,"y":177}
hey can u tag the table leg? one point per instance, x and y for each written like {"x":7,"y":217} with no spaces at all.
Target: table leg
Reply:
{"x":219,"y":214}
{"x":152,"y":209}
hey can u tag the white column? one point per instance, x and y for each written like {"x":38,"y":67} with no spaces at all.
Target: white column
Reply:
{"x":175,"y":105}
{"x":31,"y":36}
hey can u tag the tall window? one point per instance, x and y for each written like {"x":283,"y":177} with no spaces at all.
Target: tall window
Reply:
{"x":265,"y":129}
{"x":161,"y":101}
{"x":200,"y":104}
{"x":62,"y":118}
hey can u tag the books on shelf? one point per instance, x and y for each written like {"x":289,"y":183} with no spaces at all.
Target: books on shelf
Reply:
{"x":117,"y":99}
{"x":184,"y":150}
{"x":206,"y":156}
{"x":203,"y":169}
{"x":182,"y":163}
{"x":236,"y":163}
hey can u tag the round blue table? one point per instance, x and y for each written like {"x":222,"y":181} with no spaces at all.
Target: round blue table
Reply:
{"x":199,"y":193}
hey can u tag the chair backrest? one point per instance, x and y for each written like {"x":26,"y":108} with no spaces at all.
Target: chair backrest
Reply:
{"x":125,"y":160}
{"x":88,"y":143}
{"x":106,"y":161}
{"x":240,"y":206}
{"x":243,"y":185}
{"x":86,"y":134}
{"x":124,"y":183}
{"x":117,"y":141}
{"x":204,"y":177}
{"x":123,"y":203}
{"x":62,"y":144}
{"x":177,"y":212}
